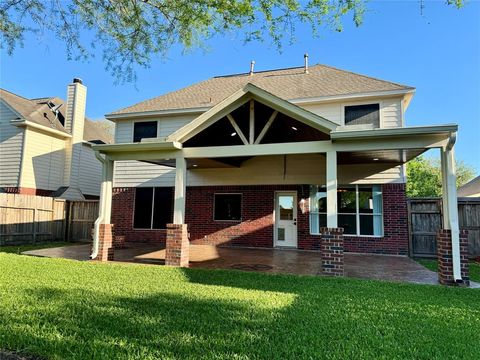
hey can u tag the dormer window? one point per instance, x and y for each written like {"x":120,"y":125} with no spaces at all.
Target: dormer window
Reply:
{"x":143,"y":130}
{"x":368,"y":114}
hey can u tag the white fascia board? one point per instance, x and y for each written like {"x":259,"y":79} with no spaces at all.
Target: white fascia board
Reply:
{"x":133,"y":147}
{"x":23,"y":123}
{"x":141,"y":114}
{"x":400,"y":131}
{"x":312,"y":100}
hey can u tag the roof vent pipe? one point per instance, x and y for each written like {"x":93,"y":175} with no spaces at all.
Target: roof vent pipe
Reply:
{"x":305,"y":56}
{"x":252,"y":64}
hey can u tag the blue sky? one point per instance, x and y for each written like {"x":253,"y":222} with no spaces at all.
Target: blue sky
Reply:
{"x":437,"y":52}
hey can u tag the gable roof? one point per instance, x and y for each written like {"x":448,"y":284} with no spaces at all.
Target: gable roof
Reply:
{"x":288,"y":84}
{"x":239,"y":97}
{"x":38,"y":112}
{"x":470,"y":188}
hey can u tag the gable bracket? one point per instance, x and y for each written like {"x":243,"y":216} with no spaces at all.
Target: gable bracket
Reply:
{"x":266,"y":127}
{"x":237,"y":128}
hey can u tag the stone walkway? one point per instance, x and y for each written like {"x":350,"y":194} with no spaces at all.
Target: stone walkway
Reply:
{"x":375,"y":267}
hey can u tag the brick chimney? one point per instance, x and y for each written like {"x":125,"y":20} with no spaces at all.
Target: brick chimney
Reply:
{"x":74,"y":124}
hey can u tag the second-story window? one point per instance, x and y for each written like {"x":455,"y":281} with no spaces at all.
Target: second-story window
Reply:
{"x":363,"y":114}
{"x":143,"y":130}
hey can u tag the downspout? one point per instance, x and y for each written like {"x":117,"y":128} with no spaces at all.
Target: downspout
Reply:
{"x":100,"y":219}
{"x":454,"y":224}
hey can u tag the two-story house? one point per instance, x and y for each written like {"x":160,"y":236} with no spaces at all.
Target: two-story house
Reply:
{"x":46,"y":145}
{"x":288,"y":158}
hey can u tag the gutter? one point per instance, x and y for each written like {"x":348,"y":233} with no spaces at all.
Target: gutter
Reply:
{"x":101,"y":215}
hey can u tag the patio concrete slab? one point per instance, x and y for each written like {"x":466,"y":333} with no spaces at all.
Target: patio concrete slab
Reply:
{"x":376,"y":267}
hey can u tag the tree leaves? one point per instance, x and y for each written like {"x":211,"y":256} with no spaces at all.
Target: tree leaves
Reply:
{"x":131,"y":32}
{"x":424,"y":177}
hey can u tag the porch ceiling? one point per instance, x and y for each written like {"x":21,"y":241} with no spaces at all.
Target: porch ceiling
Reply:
{"x":378,"y":156}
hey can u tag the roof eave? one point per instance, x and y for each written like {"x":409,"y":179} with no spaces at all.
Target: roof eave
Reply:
{"x":446,"y":129}
{"x":166,"y":112}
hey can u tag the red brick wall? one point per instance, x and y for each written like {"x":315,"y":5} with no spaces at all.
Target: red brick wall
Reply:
{"x":27,"y":191}
{"x":256,"y":227}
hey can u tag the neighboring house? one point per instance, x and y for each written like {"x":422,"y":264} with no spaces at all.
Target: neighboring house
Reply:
{"x":46,"y":145}
{"x":268,"y":159}
{"x":470,"y":189}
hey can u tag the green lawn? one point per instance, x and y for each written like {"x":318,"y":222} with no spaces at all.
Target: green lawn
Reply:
{"x":18,"y":249}
{"x":58,"y":309}
{"x":432,"y":265}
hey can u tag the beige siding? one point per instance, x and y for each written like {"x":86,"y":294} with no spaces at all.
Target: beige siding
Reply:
{"x":331,"y":111}
{"x":43,"y":161}
{"x":138,"y":173}
{"x":392,"y":113}
{"x":390,"y":110}
{"x":296,"y":169}
{"x":90,"y":172}
{"x":11,"y":141}
{"x":166,"y":126}
{"x":123,"y":132}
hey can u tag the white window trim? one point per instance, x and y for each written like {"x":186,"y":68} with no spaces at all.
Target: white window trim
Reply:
{"x":144,"y":121}
{"x":357,"y":213}
{"x":241,"y":207}
{"x":365,"y":102}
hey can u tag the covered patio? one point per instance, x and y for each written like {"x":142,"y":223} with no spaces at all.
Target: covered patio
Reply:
{"x":187,"y":149}
{"x":275,"y":261}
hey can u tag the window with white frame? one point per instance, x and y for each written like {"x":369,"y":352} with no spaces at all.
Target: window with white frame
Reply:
{"x":363,"y":114}
{"x":144,"y":130}
{"x":360,"y":209}
{"x":153,"y":208}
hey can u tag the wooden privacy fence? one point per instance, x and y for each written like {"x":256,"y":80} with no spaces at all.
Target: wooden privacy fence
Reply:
{"x":425,"y":218}
{"x":26,"y":219}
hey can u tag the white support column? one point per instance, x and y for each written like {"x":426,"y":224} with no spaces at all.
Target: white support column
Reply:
{"x":108,"y":183}
{"x":450,"y":206}
{"x":443,"y":168}
{"x":332,"y":215}
{"x":180,"y":189}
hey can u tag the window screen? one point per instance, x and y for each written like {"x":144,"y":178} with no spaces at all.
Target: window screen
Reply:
{"x":363,"y":114}
{"x":153,"y":208}
{"x":228,"y":207}
{"x":143,"y":130}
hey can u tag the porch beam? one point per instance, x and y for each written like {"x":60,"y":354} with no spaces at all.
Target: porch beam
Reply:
{"x":450,"y":206}
{"x":308,"y":147}
{"x":180,"y":187}
{"x":252,"y":122}
{"x":266,"y":127}
{"x":332,"y":216}
{"x":237,"y":128}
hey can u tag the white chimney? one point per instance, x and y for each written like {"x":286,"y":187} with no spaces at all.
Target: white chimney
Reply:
{"x":305,"y":57}
{"x":74,"y":124}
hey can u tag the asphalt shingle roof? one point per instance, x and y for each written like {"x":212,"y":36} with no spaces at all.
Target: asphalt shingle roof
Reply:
{"x":38,"y":111}
{"x":288,"y":84}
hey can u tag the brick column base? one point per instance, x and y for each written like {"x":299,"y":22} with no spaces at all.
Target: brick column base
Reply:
{"x":177,"y":245}
{"x":444,"y":255}
{"x":332,"y":251}
{"x":105,"y":242}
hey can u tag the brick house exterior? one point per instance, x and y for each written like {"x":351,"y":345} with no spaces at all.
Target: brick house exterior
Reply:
{"x":289,"y":158}
{"x":257,"y":226}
